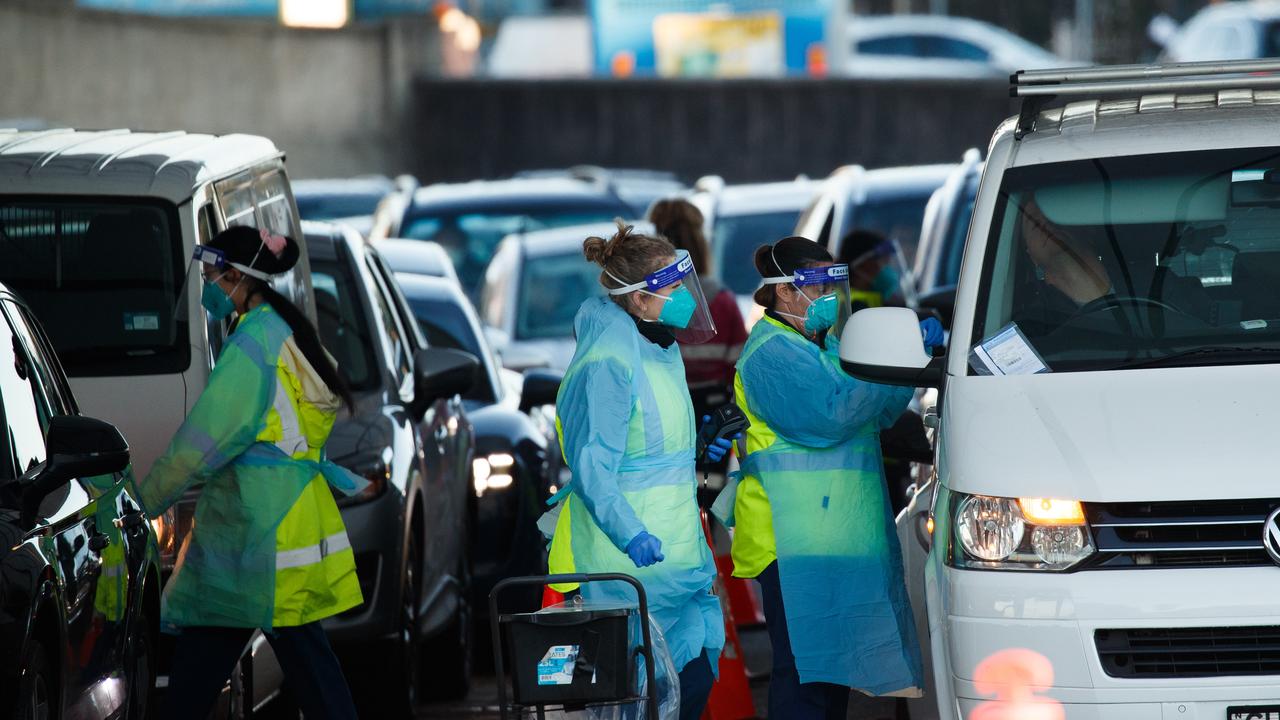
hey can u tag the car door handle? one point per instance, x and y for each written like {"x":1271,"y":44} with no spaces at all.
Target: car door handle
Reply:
{"x":132,"y":522}
{"x":99,"y":542}
{"x":441,"y":434}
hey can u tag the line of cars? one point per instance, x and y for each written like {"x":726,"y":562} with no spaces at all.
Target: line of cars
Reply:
{"x":95,"y":232}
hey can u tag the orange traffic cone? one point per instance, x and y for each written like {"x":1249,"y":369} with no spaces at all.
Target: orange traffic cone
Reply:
{"x":731,"y":695}
{"x":551,"y":597}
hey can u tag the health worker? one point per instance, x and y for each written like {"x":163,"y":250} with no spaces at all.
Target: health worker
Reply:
{"x":268,"y":549}
{"x":813,"y":524}
{"x":628,"y":433}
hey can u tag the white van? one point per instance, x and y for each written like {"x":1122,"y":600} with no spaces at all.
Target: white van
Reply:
{"x":96,"y":234}
{"x":1102,"y":531}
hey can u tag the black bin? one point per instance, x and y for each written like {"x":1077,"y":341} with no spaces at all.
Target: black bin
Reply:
{"x":599,"y":673}
{"x":598,"y":668}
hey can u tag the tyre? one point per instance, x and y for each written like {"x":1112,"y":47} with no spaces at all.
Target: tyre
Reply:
{"x":447,"y":658}
{"x":140,"y":664}
{"x":37,"y":686}
{"x":387,"y":687}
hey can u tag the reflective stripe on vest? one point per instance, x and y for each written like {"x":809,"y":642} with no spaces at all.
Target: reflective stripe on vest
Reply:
{"x":292,"y":440}
{"x":313,"y":554}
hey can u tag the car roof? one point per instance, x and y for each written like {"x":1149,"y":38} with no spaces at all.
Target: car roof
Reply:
{"x":1256,"y":10}
{"x":756,"y":198}
{"x":169,"y":165}
{"x":882,"y":182}
{"x":1152,"y":124}
{"x":565,"y":240}
{"x":418,"y":257}
{"x":482,"y":193}
{"x":430,"y":287}
{"x":324,"y":238}
{"x":365,"y":185}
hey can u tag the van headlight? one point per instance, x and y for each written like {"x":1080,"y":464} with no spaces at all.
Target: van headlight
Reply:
{"x":997,"y":533}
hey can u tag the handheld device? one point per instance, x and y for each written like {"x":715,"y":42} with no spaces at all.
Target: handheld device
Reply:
{"x":726,"y":421}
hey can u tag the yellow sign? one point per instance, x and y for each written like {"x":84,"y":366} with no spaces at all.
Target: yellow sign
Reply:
{"x":719,"y":45}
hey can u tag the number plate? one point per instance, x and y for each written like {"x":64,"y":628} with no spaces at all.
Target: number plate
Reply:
{"x":1256,"y":712}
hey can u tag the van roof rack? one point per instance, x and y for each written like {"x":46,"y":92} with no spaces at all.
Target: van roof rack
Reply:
{"x":1038,"y":87}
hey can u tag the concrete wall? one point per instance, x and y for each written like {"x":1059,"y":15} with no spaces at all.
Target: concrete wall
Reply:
{"x":743,"y":130}
{"x":334,"y":101}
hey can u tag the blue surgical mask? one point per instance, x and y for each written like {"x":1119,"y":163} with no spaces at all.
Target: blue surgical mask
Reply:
{"x":821,"y":314}
{"x":887,"y":282}
{"x":214,"y":299}
{"x":678,"y":309}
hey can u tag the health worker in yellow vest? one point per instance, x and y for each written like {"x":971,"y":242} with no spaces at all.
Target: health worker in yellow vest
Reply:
{"x":268,"y":549}
{"x":812,"y":515}
{"x":627,"y":427}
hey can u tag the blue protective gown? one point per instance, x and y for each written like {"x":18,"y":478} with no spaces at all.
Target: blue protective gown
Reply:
{"x":813,"y":497}
{"x":627,"y":430}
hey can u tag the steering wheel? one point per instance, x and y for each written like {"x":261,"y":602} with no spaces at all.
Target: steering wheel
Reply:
{"x":1113,"y":301}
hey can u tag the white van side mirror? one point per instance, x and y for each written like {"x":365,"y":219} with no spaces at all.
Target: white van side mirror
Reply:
{"x":883,"y":345}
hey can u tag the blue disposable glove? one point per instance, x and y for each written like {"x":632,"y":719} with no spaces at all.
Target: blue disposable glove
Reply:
{"x":718,"y":448}
{"x":645,"y":550}
{"x":931,"y":331}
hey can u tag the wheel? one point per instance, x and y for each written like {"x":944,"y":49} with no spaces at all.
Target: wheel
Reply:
{"x":37,"y":686}
{"x":447,"y":658}
{"x":388,"y":687}
{"x":140,"y":664}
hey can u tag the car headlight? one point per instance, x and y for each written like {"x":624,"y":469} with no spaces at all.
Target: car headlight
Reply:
{"x":997,"y":533}
{"x":492,"y":472}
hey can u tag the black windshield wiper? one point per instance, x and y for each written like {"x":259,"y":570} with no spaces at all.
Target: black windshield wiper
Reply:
{"x":1247,"y":354}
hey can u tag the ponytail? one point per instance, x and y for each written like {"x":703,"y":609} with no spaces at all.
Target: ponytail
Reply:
{"x":308,"y":342}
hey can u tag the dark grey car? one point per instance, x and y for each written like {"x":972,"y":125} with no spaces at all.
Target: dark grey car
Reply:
{"x":410,"y":437}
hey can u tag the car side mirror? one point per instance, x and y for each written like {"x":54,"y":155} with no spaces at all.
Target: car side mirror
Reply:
{"x":76,"y":447}
{"x":883,"y":345}
{"x":540,"y":388}
{"x":440,"y":373}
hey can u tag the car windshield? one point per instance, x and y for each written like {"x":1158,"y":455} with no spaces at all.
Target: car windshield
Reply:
{"x":471,"y":237}
{"x":552,"y":288}
{"x":734,"y":242}
{"x":344,"y":329}
{"x":897,"y":217}
{"x":333,"y":207}
{"x":102,"y":277}
{"x":1138,"y":261}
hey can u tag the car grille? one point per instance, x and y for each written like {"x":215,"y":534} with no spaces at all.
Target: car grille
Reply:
{"x":1189,"y":652}
{"x":1209,"y":533}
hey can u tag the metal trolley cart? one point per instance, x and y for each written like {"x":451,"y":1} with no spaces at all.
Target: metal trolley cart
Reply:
{"x":571,"y":659}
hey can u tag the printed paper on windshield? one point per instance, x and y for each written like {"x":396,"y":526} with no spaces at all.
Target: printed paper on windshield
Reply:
{"x":1008,"y":352}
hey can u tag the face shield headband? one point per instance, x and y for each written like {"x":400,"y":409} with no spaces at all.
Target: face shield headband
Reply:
{"x":658,"y":279}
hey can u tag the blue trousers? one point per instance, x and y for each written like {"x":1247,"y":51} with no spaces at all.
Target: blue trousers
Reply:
{"x":696,"y":680}
{"x":204,"y":657}
{"x":789,"y":699}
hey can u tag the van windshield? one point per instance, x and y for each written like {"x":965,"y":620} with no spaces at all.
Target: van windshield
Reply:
{"x":102,"y":276}
{"x":1144,"y":261}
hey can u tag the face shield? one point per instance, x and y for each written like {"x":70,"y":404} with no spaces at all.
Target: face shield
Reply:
{"x":826,"y":292}
{"x":892,"y":282}
{"x":685,"y":309}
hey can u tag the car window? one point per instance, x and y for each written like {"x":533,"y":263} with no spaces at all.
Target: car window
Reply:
{"x":552,"y":288}
{"x":471,"y":238}
{"x":398,"y":344}
{"x":261,"y":198}
{"x":1105,"y":263}
{"x":734,"y":242}
{"x":493,"y":298}
{"x":950,"y":48}
{"x":26,"y":415}
{"x":897,"y":217}
{"x":1271,"y":40}
{"x":102,"y":276}
{"x":344,"y":330}
{"x":336,"y":206}
{"x":415,"y":339}
{"x":447,"y":326}
{"x":898,"y":45}
{"x":48,"y":377}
